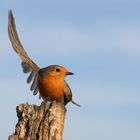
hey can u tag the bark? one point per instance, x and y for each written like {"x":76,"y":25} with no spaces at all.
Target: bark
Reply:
{"x":44,"y":122}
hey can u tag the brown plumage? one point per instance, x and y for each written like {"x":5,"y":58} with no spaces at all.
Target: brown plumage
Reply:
{"x":48,"y":81}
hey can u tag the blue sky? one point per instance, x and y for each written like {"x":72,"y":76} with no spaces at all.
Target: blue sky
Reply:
{"x":97,"y":40}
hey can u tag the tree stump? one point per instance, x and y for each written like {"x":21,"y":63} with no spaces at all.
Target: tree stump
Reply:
{"x":44,"y":122}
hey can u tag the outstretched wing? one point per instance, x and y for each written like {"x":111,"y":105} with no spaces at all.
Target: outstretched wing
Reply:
{"x":28,"y":65}
{"x":68,"y":94}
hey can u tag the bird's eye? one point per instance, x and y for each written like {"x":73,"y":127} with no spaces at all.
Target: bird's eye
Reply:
{"x":57,"y":70}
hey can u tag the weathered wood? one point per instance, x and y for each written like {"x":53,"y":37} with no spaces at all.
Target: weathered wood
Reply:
{"x":44,"y":122}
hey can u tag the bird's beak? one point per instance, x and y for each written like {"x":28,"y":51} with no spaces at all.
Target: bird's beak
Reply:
{"x":69,"y":73}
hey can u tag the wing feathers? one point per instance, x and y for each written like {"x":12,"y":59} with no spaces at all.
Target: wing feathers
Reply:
{"x":34,"y":84}
{"x":68,"y":95}
{"x":16,"y":44}
{"x":35,"y":91}
{"x":27,"y":64}
{"x":26,"y":67}
{"x":30,"y":78}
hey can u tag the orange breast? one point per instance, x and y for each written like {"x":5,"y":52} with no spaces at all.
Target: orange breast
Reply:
{"x":51,"y":87}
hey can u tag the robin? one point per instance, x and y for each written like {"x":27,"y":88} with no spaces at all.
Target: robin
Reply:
{"x":48,"y":81}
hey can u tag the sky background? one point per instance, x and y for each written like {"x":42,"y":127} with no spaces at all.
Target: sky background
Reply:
{"x":97,"y":40}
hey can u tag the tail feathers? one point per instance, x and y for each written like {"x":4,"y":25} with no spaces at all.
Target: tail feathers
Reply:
{"x":75,"y":103}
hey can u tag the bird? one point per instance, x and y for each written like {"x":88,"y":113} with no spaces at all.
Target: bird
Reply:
{"x":49,"y":81}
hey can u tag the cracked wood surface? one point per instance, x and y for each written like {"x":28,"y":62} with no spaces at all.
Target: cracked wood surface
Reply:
{"x":44,"y":122}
